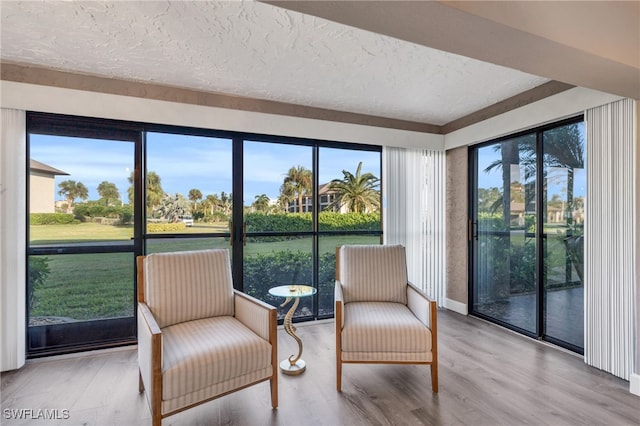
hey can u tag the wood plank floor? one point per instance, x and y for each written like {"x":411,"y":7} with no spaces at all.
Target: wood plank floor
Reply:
{"x":488,"y":376}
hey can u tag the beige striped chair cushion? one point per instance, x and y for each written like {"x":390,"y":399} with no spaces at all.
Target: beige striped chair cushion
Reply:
{"x":189,"y":285}
{"x":176,"y":404}
{"x":211,"y":350}
{"x":372,"y":327}
{"x":373,"y":273}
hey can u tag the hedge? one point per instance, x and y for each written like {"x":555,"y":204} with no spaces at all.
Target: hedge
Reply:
{"x":51,"y":219}
{"x":166,"y":227}
{"x":263,"y":271}
{"x":302,"y":222}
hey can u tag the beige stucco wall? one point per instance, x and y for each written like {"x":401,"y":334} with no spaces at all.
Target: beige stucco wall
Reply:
{"x":41,"y":193}
{"x":457,"y":218}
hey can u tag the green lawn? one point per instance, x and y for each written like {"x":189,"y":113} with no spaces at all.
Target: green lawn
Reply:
{"x":93,"y":286}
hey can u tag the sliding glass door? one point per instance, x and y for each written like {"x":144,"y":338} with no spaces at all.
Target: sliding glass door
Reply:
{"x":82,"y":229}
{"x":526,"y":232}
{"x":505,"y":243}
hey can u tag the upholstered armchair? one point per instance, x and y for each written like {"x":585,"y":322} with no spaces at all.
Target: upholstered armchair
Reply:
{"x":198,"y":338}
{"x":380,"y":317}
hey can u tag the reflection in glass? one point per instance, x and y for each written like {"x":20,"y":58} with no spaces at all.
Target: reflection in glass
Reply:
{"x":188,"y":183}
{"x":79,"y":287}
{"x":77,"y":190}
{"x":564,"y":201}
{"x":505,"y":255}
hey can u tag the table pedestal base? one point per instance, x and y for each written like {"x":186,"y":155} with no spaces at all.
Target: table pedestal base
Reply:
{"x":293,"y":369}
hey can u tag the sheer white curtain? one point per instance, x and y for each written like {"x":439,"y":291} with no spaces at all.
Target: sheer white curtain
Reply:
{"x":413,"y":212}
{"x":12,"y":237}
{"x":611,"y":227}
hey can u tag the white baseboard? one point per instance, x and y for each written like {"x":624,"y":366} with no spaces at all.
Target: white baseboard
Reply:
{"x":455,"y":306}
{"x":634,"y":384}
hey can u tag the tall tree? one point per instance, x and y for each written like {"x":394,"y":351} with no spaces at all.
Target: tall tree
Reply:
{"x":297,"y":183}
{"x":70,"y":189}
{"x":261,"y":203}
{"x":171,"y":207}
{"x":108,"y":192}
{"x":358,"y":192}
{"x":155,"y":193}
{"x":194,"y":196}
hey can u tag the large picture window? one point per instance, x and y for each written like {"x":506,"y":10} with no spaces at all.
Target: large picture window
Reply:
{"x":103,"y":192}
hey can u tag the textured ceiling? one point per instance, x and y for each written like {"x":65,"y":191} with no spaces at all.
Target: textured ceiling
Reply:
{"x":255,"y":50}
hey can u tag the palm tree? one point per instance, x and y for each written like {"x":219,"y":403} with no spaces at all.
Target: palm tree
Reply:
{"x":297,"y":183}
{"x":194,"y":196}
{"x":261,"y":203}
{"x":108,"y":192}
{"x":71,"y":190}
{"x":358,"y":192}
{"x":155,"y":193}
{"x":212,"y":202}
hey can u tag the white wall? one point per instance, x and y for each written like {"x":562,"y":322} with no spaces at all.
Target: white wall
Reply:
{"x":31,"y":97}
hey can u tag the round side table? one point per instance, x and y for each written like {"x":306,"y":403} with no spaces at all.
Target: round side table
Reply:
{"x":293,"y":365}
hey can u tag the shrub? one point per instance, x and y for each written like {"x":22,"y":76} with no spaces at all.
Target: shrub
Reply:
{"x":166,"y":227}
{"x":264,"y":271}
{"x":51,"y":219}
{"x":94,"y":209}
{"x":38,"y":273}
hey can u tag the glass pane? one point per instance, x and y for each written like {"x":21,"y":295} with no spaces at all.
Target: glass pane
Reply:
{"x":188,"y":184}
{"x":164,"y":245}
{"x":565,"y":188}
{"x":349,"y":190}
{"x":271,"y":262}
{"x":78,"y":190}
{"x":505,"y":250}
{"x":278,"y":193}
{"x":80,"y":287}
{"x":327,"y":266}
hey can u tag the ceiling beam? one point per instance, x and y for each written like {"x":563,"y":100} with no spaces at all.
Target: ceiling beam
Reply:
{"x":503,"y":33}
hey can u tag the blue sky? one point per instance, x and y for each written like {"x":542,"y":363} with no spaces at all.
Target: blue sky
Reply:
{"x":186,"y":162}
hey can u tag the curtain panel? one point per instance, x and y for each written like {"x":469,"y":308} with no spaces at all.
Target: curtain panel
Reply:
{"x":611,"y":229}
{"x":414,"y":214}
{"x":12,"y":238}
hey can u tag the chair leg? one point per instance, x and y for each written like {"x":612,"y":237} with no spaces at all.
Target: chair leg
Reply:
{"x":273,"y":383}
{"x":338,"y":374}
{"x":156,"y":417}
{"x":140,"y":382}
{"x":434,"y":377}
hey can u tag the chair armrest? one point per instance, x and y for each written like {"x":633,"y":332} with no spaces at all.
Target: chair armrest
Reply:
{"x":259,"y":316}
{"x":339,"y":304}
{"x":421,"y":306}
{"x":149,"y":351}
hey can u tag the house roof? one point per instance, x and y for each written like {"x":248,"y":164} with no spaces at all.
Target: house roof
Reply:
{"x":37,"y":166}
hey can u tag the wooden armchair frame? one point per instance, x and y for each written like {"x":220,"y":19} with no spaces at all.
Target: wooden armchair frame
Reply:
{"x":430,"y":317}
{"x":153,"y":378}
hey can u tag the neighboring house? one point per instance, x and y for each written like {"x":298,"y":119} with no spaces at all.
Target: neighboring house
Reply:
{"x":326,"y":197}
{"x":42,"y":187}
